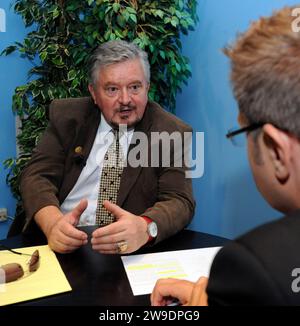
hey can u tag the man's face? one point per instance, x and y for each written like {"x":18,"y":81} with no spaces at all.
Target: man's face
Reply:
{"x":121,"y":92}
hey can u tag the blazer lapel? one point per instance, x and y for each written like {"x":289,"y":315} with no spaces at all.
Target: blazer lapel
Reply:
{"x":81,"y":150}
{"x":130,"y":174}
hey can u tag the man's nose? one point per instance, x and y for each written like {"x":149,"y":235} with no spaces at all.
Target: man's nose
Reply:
{"x":124,"y":97}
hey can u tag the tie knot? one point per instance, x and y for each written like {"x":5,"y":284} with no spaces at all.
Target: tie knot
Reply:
{"x":117,"y":134}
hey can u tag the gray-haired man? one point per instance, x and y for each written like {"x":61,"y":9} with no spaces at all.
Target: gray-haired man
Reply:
{"x":62,"y":184}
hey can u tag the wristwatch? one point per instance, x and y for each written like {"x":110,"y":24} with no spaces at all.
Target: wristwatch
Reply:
{"x":151,"y":228}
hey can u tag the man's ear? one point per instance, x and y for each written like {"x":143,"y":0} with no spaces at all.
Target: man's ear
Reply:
{"x":148,"y":87}
{"x":92,"y":92}
{"x":278,"y":146}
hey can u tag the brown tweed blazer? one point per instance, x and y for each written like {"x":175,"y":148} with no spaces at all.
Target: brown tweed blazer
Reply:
{"x":162,"y":194}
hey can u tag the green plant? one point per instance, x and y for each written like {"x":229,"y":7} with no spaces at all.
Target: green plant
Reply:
{"x":64,"y":34}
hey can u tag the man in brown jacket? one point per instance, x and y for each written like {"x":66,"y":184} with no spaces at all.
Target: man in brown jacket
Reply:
{"x":60,"y":185}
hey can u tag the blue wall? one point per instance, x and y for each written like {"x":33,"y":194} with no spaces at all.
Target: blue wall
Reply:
{"x":228,"y":203}
{"x":12,"y":73}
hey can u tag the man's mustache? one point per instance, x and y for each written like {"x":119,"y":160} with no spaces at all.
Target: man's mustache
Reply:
{"x":126,"y":107}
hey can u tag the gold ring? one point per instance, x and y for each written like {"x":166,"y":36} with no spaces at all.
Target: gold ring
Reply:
{"x":122,"y":246}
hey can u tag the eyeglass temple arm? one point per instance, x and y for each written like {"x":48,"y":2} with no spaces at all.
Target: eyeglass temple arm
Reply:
{"x":13,"y":251}
{"x":245,"y":129}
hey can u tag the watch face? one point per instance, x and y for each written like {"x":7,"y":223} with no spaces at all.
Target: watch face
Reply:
{"x":152,"y":229}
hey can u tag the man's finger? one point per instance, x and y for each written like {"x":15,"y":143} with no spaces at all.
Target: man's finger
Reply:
{"x":199,"y":297}
{"x":70,"y":231}
{"x":116,"y":210}
{"x":106,"y":247}
{"x":77,"y":211}
{"x":72,"y":238}
{"x":62,"y":244}
{"x":112,"y":229}
{"x":98,"y":239}
{"x":161,"y":290}
{"x":178,"y":289}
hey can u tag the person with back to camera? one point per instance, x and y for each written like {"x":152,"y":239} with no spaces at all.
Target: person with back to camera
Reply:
{"x":262,"y":266}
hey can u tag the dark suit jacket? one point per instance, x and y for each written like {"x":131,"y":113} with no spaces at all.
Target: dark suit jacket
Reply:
{"x":163,"y":194}
{"x":256,"y":269}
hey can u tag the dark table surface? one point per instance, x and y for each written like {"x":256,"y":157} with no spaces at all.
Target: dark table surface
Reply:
{"x":101,"y":280}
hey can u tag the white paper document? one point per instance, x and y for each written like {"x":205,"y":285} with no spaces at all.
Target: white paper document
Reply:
{"x":144,"y":270}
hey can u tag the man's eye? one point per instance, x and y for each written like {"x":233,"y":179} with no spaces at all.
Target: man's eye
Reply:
{"x":111,"y":90}
{"x":135,"y":88}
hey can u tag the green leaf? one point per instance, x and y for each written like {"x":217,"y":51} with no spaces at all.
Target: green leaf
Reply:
{"x":131,"y":10}
{"x":174,"y":21}
{"x":58,"y":61}
{"x":133,"y":18}
{"x":56,"y":13}
{"x":50,"y":94}
{"x":72,"y":74}
{"x":159,"y":13}
{"x":167,"y":20}
{"x":178,"y":67}
{"x":52,"y":48}
{"x":8,"y":50}
{"x":95,"y":34}
{"x":125,"y":15}
{"x":108,"y":9}
{"x":121,"y":20}
{"x":116,"y":7}
{"x":119,"y":33}
{"x":151,"y":47}
{"x":43,"y":56}
{"x":90,"y":40}
{"x":101,"y":15}
{"x":35,"y":93}
{"x":162,"y":54}
{"x":180,"y":4}
{"x":107,"y":35}
{"x":172,"y":10}
{"x":112,"y":37}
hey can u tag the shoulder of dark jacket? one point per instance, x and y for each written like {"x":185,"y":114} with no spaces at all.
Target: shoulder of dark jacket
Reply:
{"x":71,"y":108}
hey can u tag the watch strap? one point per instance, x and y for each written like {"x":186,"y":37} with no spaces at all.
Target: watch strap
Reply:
{"x":148,"y":220}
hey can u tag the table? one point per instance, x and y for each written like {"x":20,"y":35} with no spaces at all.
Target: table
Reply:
{"x":101,"y":280}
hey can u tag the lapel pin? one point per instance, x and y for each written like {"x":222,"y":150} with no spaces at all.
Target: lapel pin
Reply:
{"x":78,"y":150}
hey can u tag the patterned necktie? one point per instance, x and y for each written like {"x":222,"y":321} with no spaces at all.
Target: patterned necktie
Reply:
{"x":113,"y":165}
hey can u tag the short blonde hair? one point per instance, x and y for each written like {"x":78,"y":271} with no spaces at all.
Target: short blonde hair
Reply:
{"x":265,"y":75}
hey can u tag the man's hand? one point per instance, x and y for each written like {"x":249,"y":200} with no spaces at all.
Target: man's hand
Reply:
{"x":167,"y":289}
{"x":62,"y":235}
{"x":199,"y":295}
{"x":188,"y":293}
{"x":128,"y":227}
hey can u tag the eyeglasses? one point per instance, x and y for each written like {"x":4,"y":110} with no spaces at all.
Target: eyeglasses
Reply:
{"x":14,"y":271}
{"x":240,"y":141}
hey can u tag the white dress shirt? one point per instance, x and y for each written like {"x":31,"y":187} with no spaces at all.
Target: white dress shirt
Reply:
{"x":87,"y":185}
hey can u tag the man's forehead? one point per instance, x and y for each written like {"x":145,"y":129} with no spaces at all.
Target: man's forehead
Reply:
{"x":128,"y":71}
